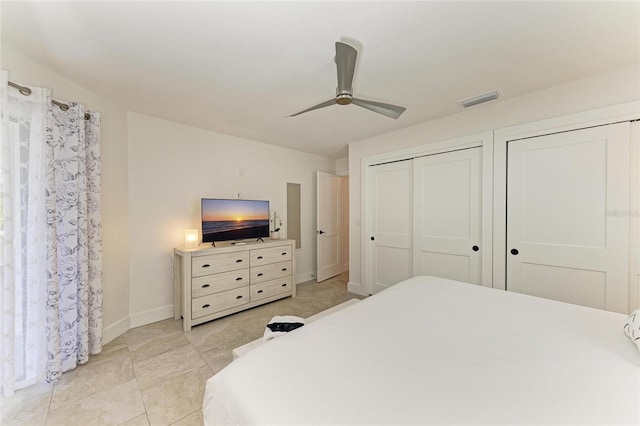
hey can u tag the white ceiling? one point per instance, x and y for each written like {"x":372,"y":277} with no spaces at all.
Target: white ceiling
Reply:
{"x":241,"y":67}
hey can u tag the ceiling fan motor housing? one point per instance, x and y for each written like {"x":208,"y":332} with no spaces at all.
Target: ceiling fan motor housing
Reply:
{"x":344,"y":98}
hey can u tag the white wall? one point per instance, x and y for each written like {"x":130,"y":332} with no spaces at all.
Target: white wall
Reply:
{"x":172,"y":166}
{"x":115,"y":223}
{"x":342,"y":166}
{"x":607,"y":89}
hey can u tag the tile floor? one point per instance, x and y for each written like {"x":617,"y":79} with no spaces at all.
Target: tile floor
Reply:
{"x":155,"y":374}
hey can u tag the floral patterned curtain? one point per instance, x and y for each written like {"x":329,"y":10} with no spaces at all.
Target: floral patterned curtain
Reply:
{"x":50,"y":238}
{"x":74,"y":240}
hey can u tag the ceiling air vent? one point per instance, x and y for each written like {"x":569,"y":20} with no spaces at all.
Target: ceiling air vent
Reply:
{"x":485,"y":97}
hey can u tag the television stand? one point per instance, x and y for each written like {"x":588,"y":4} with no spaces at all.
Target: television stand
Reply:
{"x":213,"y":282}
{"x":260,"y":239}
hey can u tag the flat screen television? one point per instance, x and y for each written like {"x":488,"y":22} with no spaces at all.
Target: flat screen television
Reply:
{"x":225,"y":220}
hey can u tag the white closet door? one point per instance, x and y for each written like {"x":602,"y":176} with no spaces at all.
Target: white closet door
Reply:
{"x":564,"y":238}
{"x":390,"y":229}
{"x":447,"y":215}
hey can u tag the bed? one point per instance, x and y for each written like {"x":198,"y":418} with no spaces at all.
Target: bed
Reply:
{"x":440,"y":352}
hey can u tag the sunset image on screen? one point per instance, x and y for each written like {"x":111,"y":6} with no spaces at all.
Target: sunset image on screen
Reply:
{"x":234,"y":219}
{"x":237,"y":210}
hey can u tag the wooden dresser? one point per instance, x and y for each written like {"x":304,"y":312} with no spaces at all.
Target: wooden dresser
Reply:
{"x":211,"y":282}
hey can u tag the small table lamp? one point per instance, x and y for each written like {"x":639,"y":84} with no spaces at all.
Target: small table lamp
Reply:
{"x":190,"y":238}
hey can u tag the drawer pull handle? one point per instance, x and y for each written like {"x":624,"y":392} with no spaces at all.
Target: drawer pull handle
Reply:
{"x":284,"y":254}
{"x":284,"y":285}
{"x":205,"y":306}
{"x":239,"y":279}
{"x":260,"y":274}
{"x":284,"y":269}
{"x":259,"y":257}
{"x":239,"y":297}
{"x":260,"y":291}
{"x":206,"y":265}
{"x":206,"y":285}
{"x":239,"y":261}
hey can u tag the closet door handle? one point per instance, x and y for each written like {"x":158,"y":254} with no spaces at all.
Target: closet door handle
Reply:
{"x":514,"y":252}
{"x":475,"y":248}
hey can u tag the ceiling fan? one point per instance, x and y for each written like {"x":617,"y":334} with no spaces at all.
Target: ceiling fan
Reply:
{"x":346,"y":63}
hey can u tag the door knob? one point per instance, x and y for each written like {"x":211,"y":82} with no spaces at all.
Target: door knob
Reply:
{"x":514,"y":252}
{"x":475,"y":248}
{"x":321,"y":232}
{"x":373,"y":238}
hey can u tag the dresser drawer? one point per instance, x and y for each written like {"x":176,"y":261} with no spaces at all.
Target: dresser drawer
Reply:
{"x":270,"y":255}
{"x":213,"y":303}
{"x":271,"y":288}
{"x":270,"y":272}
{"x":215,"y":263}
{"x":209,"y":284}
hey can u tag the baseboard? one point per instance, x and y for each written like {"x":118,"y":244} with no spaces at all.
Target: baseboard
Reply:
{"x":306,"y":276}
{"x":114,"y":330}
{"x":357,"y":288}
{"x":152,"y":315}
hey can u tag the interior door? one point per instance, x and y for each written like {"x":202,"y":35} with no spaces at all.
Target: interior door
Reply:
{"x":390,"y":232}
{"x":565,"y":239}
{"x":328,"y":226}
{"x":447,"y":215}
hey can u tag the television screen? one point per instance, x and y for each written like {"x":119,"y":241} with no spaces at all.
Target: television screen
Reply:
{"x":224,"y":220}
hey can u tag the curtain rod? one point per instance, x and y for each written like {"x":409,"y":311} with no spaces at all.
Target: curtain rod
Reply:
{"x":26,"y":92}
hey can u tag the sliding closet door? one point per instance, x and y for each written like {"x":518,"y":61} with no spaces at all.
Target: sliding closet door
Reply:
{"x":447,"y":215}
{"x":390,"y":224}
{"x":564,"y":238}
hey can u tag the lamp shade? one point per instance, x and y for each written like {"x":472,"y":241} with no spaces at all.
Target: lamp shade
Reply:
{"x":190,"y":238}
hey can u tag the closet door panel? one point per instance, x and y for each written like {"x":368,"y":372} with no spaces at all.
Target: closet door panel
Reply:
{"x":447,"y":215}
{"x":391,"y":220}
{"x":563,"y":240}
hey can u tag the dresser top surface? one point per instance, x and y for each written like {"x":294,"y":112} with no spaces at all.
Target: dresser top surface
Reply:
{"x":230,"y":247}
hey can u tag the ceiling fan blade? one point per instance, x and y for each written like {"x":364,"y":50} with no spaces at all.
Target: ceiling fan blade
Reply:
{"x":322,"y":105}
{"x":346,"y":63}
{"x":391,"y":111}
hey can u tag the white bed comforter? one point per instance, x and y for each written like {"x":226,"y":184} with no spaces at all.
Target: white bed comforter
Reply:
{"x":435,"y":351}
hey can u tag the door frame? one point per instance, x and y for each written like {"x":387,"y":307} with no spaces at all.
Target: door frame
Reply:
{"x":597,"y":117}
{"x":483,"y":140}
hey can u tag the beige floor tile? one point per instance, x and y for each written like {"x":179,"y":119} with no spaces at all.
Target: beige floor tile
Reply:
{"x":217,"y":359}
{"x":140,"y":336}
{"x":173,"y":399}
{"x":194,"y":419}
{"x":114,"y":345}
{"x":110,"y":407}
{"x":27,"y":407}
{"x":100,"y":373}
{"x":141,"y":420}
{"x":167,"y":365}
{"x":159,"y":345}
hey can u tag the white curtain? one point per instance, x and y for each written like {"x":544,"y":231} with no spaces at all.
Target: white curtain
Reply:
{"x":50,"y":237}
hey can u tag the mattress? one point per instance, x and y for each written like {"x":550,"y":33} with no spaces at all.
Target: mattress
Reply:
{"x":435,"y":351}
